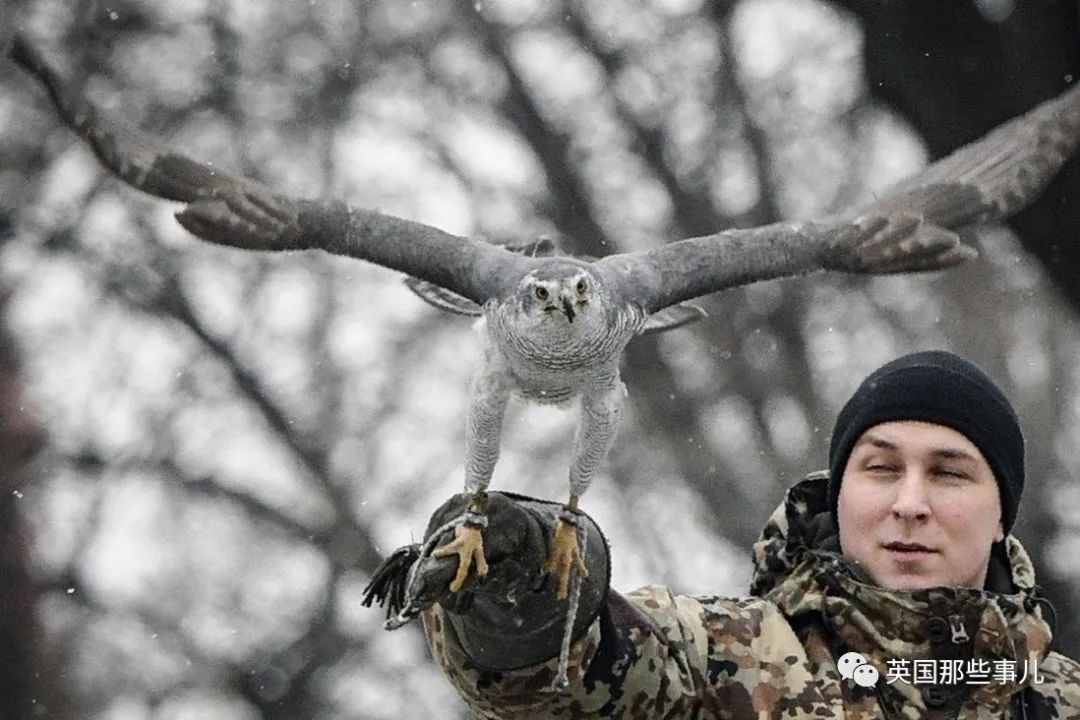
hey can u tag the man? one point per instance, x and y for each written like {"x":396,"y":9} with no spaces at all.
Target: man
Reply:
{"x":899,"y":553}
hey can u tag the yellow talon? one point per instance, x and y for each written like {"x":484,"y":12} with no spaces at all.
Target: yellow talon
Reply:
{"x":565,"y":556}
{"x":468,"y":545}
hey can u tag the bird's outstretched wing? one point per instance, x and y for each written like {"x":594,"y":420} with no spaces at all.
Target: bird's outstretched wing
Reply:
{"x":241,"y":213}
{"x":914,"y":226}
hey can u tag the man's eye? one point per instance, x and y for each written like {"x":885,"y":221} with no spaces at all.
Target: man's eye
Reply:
{"x":952,"y":474}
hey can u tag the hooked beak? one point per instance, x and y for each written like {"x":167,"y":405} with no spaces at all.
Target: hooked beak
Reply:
{"x":568,"y":308}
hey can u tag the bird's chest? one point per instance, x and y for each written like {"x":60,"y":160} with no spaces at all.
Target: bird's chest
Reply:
{"x":551,"y":387}
{"x":555,"y":373}
{"x":543,"y":351}
{"x":554,"y":365}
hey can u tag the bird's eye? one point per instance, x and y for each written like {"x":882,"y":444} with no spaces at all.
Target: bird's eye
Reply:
{"x":582,"y":286}
{"x":541,"y":293}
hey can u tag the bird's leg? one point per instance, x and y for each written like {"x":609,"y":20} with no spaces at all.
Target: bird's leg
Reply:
{"x":565,"y":555}
{"x":491,"y":392}
{"x":601,"y":407}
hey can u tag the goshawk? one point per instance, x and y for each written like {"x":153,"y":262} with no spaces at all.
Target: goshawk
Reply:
{"x":556,"y":326}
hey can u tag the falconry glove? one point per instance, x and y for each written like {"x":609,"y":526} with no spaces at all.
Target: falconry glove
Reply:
{"x":510,"y":618}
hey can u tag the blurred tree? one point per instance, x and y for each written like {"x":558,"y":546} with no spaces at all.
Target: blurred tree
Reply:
{"x":26,"y":673}
{"x":21,"y":658}
{"x":233,"y":440}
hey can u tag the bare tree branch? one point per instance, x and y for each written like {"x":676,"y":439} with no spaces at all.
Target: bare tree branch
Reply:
{"x":572,"y":208}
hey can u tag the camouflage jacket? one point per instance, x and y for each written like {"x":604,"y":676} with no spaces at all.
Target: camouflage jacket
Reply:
{"x":939,"y":653}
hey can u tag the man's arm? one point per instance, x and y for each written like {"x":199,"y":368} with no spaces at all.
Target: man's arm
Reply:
{"x":646,"y":655}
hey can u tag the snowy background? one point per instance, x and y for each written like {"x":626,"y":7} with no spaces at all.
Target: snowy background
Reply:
{"x":233,"y":440}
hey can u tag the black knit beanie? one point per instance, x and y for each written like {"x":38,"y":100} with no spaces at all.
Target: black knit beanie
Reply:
{"x":938,"y":387}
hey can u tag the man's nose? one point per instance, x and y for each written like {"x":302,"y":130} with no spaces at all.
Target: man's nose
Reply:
{"x":912,"y":501}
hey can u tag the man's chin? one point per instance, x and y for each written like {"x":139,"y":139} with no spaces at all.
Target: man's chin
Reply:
{"x":921,"y":578}
{"x":911,"y":583}
{"x":909,"y":578}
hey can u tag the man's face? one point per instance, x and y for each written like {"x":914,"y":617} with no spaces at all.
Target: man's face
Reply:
{"x":919,"y":507}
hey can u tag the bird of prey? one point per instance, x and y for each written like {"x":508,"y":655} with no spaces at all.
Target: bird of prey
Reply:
{"x":556,"y":326}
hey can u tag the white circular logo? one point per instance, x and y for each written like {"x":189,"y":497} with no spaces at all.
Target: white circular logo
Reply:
{"x":853,"y":666}
{"x":848,"y":662}
{"x":865,"y":675}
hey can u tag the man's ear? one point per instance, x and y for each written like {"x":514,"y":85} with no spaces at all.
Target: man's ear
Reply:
{"x":1000,"y":534}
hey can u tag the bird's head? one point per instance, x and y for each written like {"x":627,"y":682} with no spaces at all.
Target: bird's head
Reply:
{"x":559,"y":293}
{"x":562,"y":315}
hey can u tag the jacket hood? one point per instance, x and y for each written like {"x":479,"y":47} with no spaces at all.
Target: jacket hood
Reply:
{"x":798,"y":566}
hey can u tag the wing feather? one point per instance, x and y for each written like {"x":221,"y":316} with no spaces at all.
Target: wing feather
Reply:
{"x":915,"y":226}
{"x":670,"y":318}
{"x":442,"y":299}
{"x":239,"y":212}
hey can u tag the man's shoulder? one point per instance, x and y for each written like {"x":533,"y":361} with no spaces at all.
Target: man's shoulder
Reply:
{"x":1063,"y":667}
{"x":1059,"y":682}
